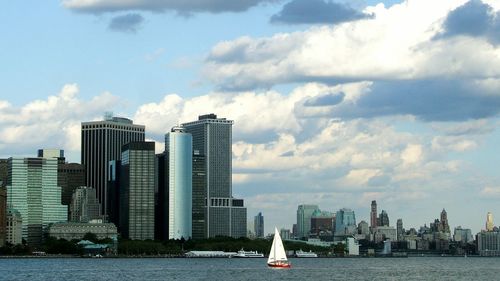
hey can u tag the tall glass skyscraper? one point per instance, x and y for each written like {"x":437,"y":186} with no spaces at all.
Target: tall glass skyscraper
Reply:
{"x":32,"y":191}
{"x":137,"y":190}
{"x":345,"y":222}
{"x":180,"y":185}
{"x":102,"y":142}
{"x":212,"y":138}
{"x":304,"y":215}
{"x":258,"y":225}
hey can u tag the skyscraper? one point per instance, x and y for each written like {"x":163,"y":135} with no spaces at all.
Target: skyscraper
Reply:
{"x":212,"y":137}
{"x":383,"y":219}
{"x":33,"y":192}
{"x":84,"y":205}
{"x":199,"y":195}
{"x":400,"y":229}
{"x":180,"y":185}
{"x":445,"y":227}
{"x":137,"y":188}
{"x":373,"y":215}
{"x":258,"y":225}
{"x":3,"y":215}
{"x":304,"y":215}
{"x":345,"y":223}
{"x":489,"y":222}
{"x":102,"y":142}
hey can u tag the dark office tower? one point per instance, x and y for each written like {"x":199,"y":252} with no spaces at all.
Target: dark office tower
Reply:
{"x":3,"y":172}
{"x":70,"y":176}
{"x":102,"y":142}
{"x":3,"y":215}
{"x":199,"y":185}
{"x":383,"y":219}
{"x":113,"y":200}
{"x":258,"y":225}
{"x":137,"y":190}
{"x":373,"y":215}
{"x":400,"y":230}
{"x":212,"y":137}
{"x":161,"y":196}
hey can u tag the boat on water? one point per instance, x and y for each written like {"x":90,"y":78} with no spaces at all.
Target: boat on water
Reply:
{"x":302,"y":254}
{"x":248,"y":254}
{"x":277,"y":255}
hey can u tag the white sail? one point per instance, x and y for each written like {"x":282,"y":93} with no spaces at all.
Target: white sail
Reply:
{"x":277,"y":250}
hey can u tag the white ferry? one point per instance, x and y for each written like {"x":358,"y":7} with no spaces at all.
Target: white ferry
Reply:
{"x":248,"y":254}
{"x":302,"y":254}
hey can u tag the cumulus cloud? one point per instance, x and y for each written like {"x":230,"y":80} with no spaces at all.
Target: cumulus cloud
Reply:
{"x":476,"y":19}
{"x":128,"y":23}
{"x":180,"y":6}
{"x":54,"y":122}
{"x":317,"y":12}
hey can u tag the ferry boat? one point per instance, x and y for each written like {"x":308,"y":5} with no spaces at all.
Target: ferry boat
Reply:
{"x":302,"y":254}
{"x":248,"y":254}
{"x":277,"y":256}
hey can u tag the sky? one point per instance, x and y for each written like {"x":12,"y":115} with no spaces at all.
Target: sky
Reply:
{"x":335,"y":103}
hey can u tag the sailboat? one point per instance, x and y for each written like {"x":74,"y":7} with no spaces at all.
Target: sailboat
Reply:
{"x":277,"y":256}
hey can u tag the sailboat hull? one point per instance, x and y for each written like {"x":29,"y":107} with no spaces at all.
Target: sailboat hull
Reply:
{"x":279,"y":265}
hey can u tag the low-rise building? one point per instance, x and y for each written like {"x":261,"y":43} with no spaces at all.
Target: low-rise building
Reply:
{"x":71,"y":230}
{"x":386,"y":233}
{"x":352,"y":247}
{"x":488,"y":243}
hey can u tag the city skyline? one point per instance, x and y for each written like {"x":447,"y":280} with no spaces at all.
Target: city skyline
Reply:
{"x":394,"y":101}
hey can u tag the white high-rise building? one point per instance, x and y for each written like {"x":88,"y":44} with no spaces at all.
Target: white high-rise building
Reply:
{"x":33,"y":192}
{"x":180,"y":185}
{"x":489,"y":222}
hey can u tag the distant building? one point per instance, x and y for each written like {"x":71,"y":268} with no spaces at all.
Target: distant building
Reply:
{"x":52,"y":153}
{"x":199,"y":196}
{"x":304,"y":215}
{"x":3,"y":172}
{"x":113,"y":195}
{"x":363,"y":228}
{"x":488,"y":243}
{"x":373,"y":215}
{"x":137,"y":190}
{"x":322,"y":223}
{"x":84,"y":205}
{"x":383,"y":219}
{"x":386,"y":233}
{"x":102,"y":142}
{"x":285,"y":234}
{"x":14,"y":227}
{"x":70,"y":176}
{"x":180,"y":184}
{"x":345,"y":223}
{"x":400,"y":230}
{"x":33,"y":192}
{"x":259,"y":225}
{"x":212,"y":137}
{"x":3,"y":215}
{"x":445,"y":227}
{"x":489,"y":222}
{"x":352,"y":247}
{"x":462,"y":235}
{"x":73,"y":230}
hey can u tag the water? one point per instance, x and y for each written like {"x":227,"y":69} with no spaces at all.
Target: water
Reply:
{"x":437,"y":268}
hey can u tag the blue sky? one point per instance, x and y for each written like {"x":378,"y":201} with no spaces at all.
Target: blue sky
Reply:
{"x":335,"y":102}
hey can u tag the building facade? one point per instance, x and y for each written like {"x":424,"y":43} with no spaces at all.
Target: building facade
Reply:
{"x":199,"y":196}
{"x":3,"y":215}
{"x":258,"y":225}
{"x":322,"y":223}
{"x":74,"y":230}
{"x":14,"y":227}
{"x":345,"y":222}
{"x":137,"y":190}
{"x":304,"y":215}
{"x":70,"y":176}
{"x":102,"y":142}
{"x":488,"y":243}
{"x":180,"y":183}
{"x":32,"y":190}
{"x":489,"y":222}
{"x":373,"y":215}
{"x":463,"y":235}
{"x":212,"y":138}
{"x":400,"y":230}
{"x":383,"y":219}
{"x":84,"y":205}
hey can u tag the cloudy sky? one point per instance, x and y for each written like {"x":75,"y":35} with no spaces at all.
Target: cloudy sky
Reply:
{"x":335,"y":103}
